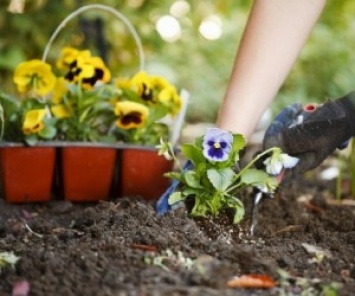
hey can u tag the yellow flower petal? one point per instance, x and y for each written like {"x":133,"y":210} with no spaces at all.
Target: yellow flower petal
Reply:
{"x":143,"y":85}
{"x":59,"y":90}
{"x":160,"y":82}
{"x":88,"y":70}
{"x":131,"y":115}
{"x":170,"y":98}
{"x":101,"y":71}
{"x":69,"y":55}
{"x":33,"y":122}
{"x":36,"y":76}
{"x":60,"y":111}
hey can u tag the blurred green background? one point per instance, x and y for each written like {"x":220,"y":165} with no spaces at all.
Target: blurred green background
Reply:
{"x":192,"y":43}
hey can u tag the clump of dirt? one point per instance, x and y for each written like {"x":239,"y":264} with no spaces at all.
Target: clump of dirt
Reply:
{"x":121,"y":247}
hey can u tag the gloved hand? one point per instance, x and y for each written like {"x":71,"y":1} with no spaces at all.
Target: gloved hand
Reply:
{"x":312,"y":139}
{"x":162,"y":207}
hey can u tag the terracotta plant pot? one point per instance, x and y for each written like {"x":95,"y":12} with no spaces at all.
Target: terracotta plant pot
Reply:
{"x":27,"y":173}
{"x":141,"y":173}
{"x":87,"y":172}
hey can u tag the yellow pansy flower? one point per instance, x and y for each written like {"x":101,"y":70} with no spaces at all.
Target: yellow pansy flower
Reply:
{"x":79,"y":70}
{"x":170,"y":98}
{"x":102,"y":73}
{"x":60,"y":111}
{"x":88,"y":70}
{"x":69,"y":55}
{"x":142,"y":84}
{"x":36,"y":76}
{"x":160,"y":82}
{"x":131,"y":115}
{"x":33,"y":122}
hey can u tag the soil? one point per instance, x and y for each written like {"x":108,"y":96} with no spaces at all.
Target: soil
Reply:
{"x":120,"y":247}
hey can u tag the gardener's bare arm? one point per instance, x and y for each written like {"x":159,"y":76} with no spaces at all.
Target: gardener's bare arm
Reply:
{"x":274,"y":35}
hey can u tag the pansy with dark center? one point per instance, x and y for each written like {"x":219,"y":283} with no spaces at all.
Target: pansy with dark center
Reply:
{"x":217,"y":144}
{"x":88,"y":71}
{"x":134,"y":118}
{"x":147,"y":93}
{"x":131,"y":115}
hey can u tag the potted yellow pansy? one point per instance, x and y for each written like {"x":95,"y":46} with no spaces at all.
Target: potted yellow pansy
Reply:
{"x":27,"y":172}
{"x":101,"y":128}
{"x":140,"y":109}
{"x":82,"y":106}
{"x":90,"y":117}
{"x":128,"y":110}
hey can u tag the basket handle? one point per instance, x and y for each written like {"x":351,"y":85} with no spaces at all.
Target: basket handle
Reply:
{"x":118,"y":14}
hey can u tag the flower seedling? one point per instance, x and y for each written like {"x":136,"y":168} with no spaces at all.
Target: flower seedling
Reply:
{"x":8,"y":258}
{"x":213,"y":179}
{"x":169,"y":260}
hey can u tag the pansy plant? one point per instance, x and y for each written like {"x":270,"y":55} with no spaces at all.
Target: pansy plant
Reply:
{"x":144,"y":101}
{"x":28,"y":118}
{"x":79,"y":101}
{"x":215,"y":182}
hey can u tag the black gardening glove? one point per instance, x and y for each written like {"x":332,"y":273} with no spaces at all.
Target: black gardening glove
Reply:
{"x":328,"y":127}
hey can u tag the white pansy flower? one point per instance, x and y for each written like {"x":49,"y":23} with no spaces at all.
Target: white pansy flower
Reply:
{"x":164,"y":149}
{"x":278,"y":161}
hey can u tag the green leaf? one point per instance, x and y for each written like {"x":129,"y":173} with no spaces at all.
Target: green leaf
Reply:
{"x":254,"y":177}
{"x":157,"y":113}
{"x":239,"y":214}
{"x":32,"y":103}
{"x":173,"y":175}
{"x":198,"y":141}
{"x":9,"y":104}
{"x":193,"y":153}
{"x":84,"y":114}
{"x":107,"y":139}
{"x":259,"y":178}
{"x":191,"y":191}
{"x":271,"y":183}
{"x":175,"y":197}
{"x":239,"y":142}
{"x":214,"y":202}
{"x":48,"y":132}
{"x":191,"y":181}
{"x":103,"y":106}
{"x":221,"y":179}
{"x":31,"y":140}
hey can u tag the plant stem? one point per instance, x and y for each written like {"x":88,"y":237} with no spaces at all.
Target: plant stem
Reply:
{"x":233,"y":187}
{"x":352,"y":169}
{"x":253,"y":161}
{"x":172,"y":152}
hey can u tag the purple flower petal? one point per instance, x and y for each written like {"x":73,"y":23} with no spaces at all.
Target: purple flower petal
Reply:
{"x":217,"y":154}
{"x":217,"y":144}
{"x":224,"y":145}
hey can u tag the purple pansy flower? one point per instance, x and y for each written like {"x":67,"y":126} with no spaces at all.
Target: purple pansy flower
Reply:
{"x":217,"y":144}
